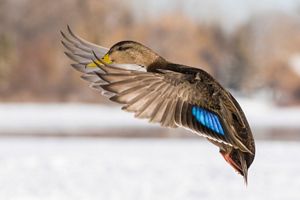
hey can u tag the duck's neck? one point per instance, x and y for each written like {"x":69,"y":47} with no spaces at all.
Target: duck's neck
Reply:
{"x":158,"y":63}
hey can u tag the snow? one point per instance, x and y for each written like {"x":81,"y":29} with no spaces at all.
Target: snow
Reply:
{"x":141,"y":169}
{"x":263,"y":114}
{"x":80,"y":118}
{"x":63,"y":118}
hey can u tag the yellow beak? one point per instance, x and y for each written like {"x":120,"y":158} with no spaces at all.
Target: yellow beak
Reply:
{"x":104,"y":59}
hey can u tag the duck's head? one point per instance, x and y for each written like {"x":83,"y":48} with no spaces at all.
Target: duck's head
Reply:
{"x":239,"y":160}
{"x":130,"y":52}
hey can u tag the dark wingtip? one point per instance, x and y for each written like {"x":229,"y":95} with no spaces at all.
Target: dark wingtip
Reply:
{"x":244,"y":168}
{"x":65,"y":37}
{"x":69,"y":55}
{"x":61,"y":32}
{"x":69,"y":28}
{"x":71,"y":32}
{"x":65,"y":45}
{"x":95,"y":55}
{"x":245,"y":176}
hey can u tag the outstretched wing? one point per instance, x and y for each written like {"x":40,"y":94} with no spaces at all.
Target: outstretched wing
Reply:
{"x":165,"y":97}
{"x":81,"y":50}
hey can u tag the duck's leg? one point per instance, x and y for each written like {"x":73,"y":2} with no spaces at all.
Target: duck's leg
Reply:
{"x":226,"y":156}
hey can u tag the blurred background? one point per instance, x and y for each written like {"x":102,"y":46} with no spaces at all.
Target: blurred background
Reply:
{"x":61,"y":140}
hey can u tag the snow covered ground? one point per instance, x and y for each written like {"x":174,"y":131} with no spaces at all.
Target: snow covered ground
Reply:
{"x":82,"y":118}
{"x":63,"y":118}
{"x":141,"y":169}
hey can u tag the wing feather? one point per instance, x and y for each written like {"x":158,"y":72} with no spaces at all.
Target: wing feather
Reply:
{"x":147,"y":110}
{"x":127,"y":95}
{"x":165,"y":96}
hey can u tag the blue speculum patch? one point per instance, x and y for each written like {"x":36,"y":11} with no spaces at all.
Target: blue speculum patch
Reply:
{"x":208,"y":119}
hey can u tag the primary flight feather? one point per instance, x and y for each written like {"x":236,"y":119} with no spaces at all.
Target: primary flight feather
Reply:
{"x":173,"y":95}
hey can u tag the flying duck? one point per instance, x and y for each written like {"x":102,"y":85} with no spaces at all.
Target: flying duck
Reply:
{"x":173,"y":95}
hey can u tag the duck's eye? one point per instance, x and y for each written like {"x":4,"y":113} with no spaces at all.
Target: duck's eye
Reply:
{"x":122,"y":48}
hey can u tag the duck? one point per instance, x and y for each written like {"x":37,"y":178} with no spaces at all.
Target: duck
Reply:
{"x":173,"y":95}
